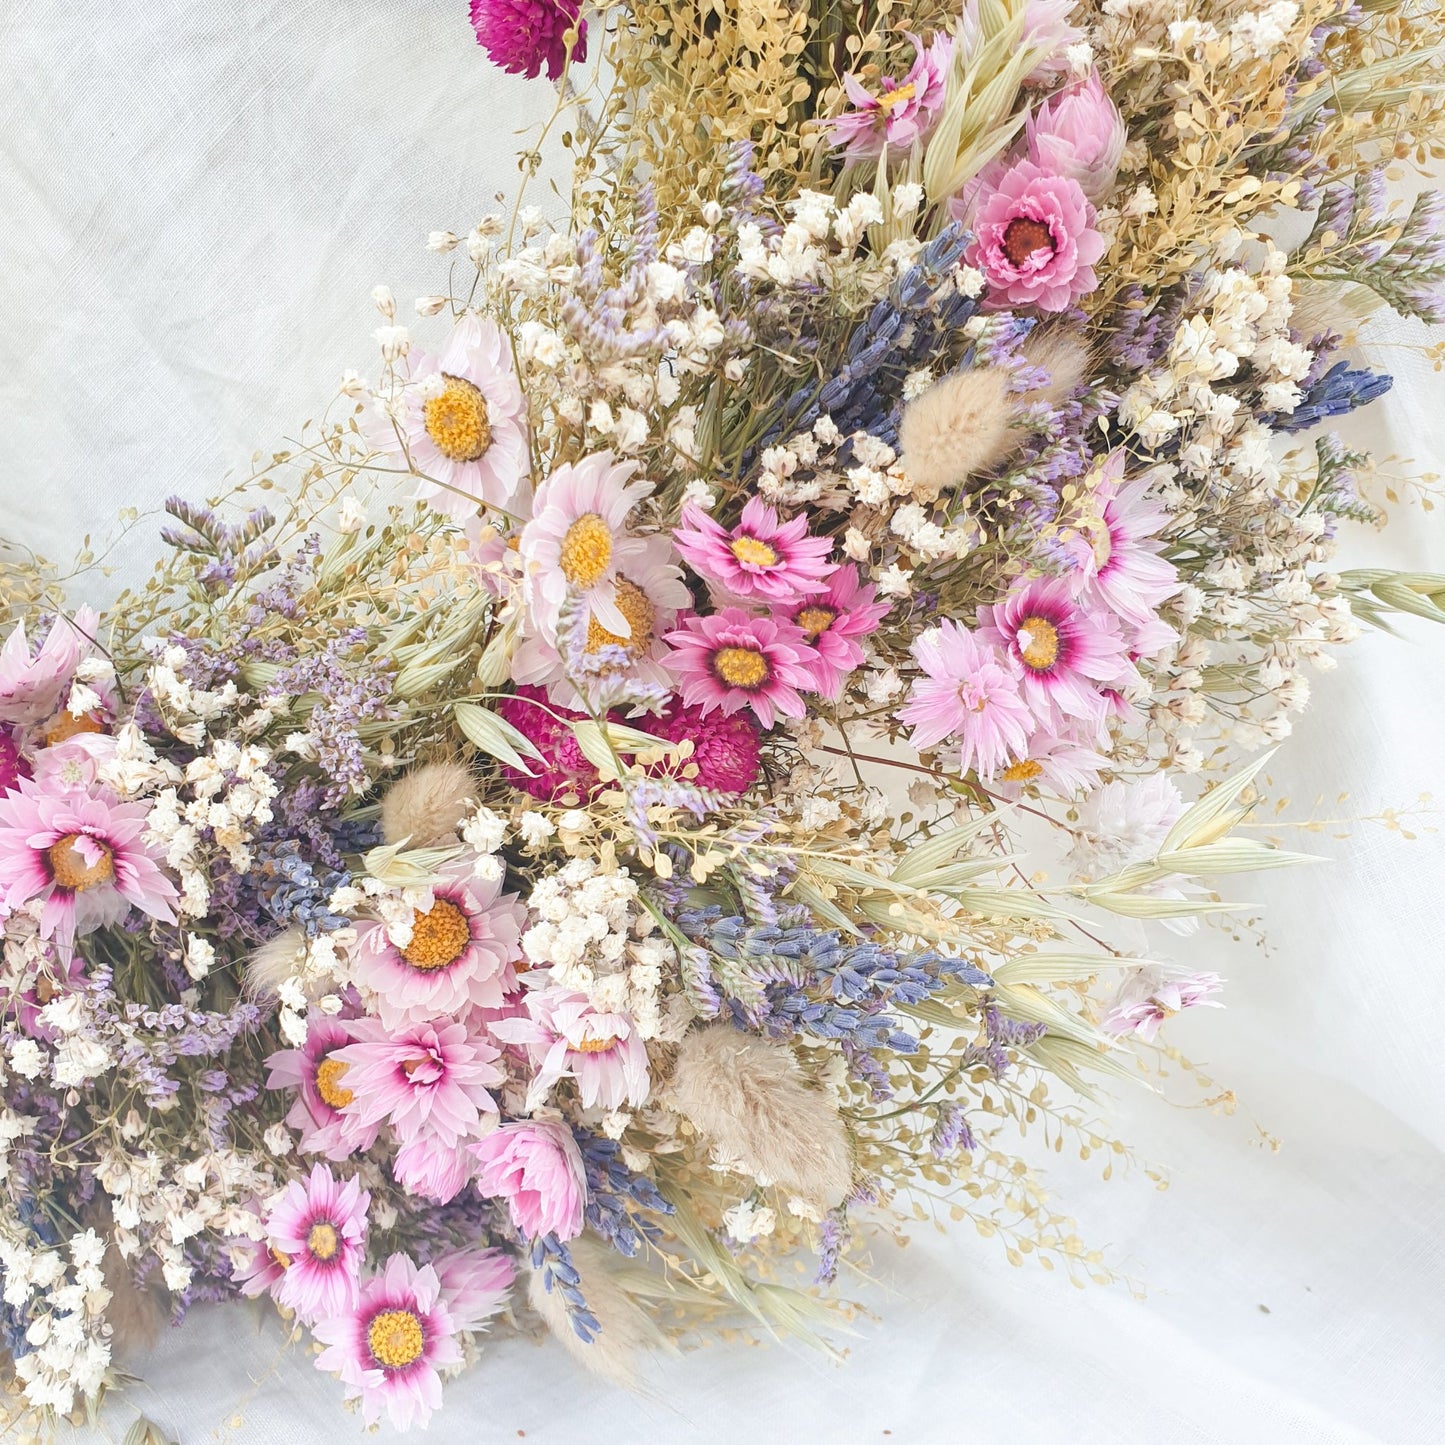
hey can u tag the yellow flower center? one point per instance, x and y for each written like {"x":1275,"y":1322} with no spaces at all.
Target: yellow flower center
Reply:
{"x":1103,"y":545}
{"x":1038,"y":643}
{"x":751,"y":550}
{"x":328,"y":1083}
{"x":323,"y":1242}
{"x":742,"y":667}
{"x":635,"y":605}
{"x":816,"y":620}
{"x":70,"y":870}
{"x":890,"y":98}
{"x":395,"y":1339}
{"x":1023,"y":771}
{"x":284,"y":1260}
{"x":595,"y":1046}
{"x":456,"y":420}
{"x":67,"y":726}
{"x":438,"y":937}
{"x":586,"y":551}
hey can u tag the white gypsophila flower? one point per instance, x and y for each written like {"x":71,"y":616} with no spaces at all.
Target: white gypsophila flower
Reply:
{"x":278,"y":1140}
{"x":746,"y":1221}
{"x":27,"y":1058}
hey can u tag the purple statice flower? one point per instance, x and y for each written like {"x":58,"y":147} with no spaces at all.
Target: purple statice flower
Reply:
{"x":522,"y":36}
{"x":951,"y":1132}
{"x":233,"y":551}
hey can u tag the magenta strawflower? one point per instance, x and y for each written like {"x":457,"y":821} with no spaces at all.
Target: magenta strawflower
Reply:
{"x":460,"y":952}
{"x":32,"y":685}
{"x":903,"y":111}
{"x":319,"y":1079}
{"x":83,"y":854}
{"x":536,"y":1167}
{"x":1065,"y":648}
{"x":761,"y":559}
{"x":726,"y":749}
{"x":833,"y":621}
{"x":731,"y":661}
{"x":475,"y":1284}
{"x":972,"y":692}
{"x":429,"y":1078}
{"x":521,"y":36}
{"x":1035,"y":238}
{"x":319,"y":1227}
{"x":388,"y":1348}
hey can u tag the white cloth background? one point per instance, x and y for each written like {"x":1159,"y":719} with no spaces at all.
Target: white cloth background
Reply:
{"x":196,"y":197}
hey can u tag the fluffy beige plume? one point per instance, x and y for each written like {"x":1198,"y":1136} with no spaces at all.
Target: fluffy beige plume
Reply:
{"x":135,"y":1312}
{"x":425,"y":806}
{"x":624,"y":1331}
{"x":276,"y":960}
{"x":751,"y":1099}
{"x":959,"y":427}
{"x":1066,"y":359}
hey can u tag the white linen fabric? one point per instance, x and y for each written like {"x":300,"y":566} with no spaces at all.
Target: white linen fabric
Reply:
{"x":197,"y":197}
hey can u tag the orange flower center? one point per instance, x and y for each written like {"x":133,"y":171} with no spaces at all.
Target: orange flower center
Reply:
{"x":816,"y":620}
{"x":1038,"y":643}
{"x":322,"y":1241}
{"x":395,"y":1339}
{"x":438,"y":937}
{"x":742,"y":667}
{"x":595,"y":1046}
{"x":753,"y":551}
{"x":70,"y":870}
{"x":586,"y":551}
{"x":457,"y":421}
{"x":1023,"y":771}
{"x":635,"y":605}
{"x":67,"y":726}
{"x":329,"y":1073}
{"x":1023,"y":237}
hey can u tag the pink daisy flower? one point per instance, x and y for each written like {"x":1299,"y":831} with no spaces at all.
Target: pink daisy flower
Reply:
{"x":464,"y":421}
{"x":1065,"y":649}
{"x":759,"y":560}
{"x":731,"y":661}
{"x":833,"y":621}
{"x":82,"y":854}
{"x":319,"y":1227}
{"x":432,"y":1168}
{"x":569,"y":1039}
{"x":75,"y":762}
{"x":1154,"y":993}
{"x":475,"y":1284}
{"x":1034,"y":238}
{"x":32,"y":685}
{"x":319,"y":1078}
{"x":521,"y":36}
{"x":537,"y":1168}
{"x":460,"y":952}
{"x":726,"y":750}
{"x":577,"y":544}
{"x":259,"y":1270}
{"x":388,"y":1348}
{"x":430,"y":1077}
{"x":971,"y":691}
{"x":903,"y":111}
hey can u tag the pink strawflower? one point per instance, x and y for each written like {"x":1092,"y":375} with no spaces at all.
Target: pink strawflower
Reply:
{"x":567,"y":1038}
{"x":1078,"y":132}
{"x":33,"y":685}
{"x":566,"y":768}
{"x":731,"y":661}
{"x":475,"y":1284}
{"x":432,"y":1168}
{"x":1066,"y":649}
{"x":388,"y":1348}
{"x":1154,"y":993}
{"x":970,"y":691}
{"x":464,"y":421}
{"x":903,"y":112}
{"x":833,"y":621}
{"x":429,"y":1078}
{"x":319,"y":1078}
{"x":725,"y":749}
{"x":759,"y":560}
{"x":522,"y":36}
{"x":537,"y":1168}
{"x":82,"y":853}
{"x":1047,"y":28}
{"x":1035,"y":238}
{"x":319,"y":1228}
{"x":460,"y":952}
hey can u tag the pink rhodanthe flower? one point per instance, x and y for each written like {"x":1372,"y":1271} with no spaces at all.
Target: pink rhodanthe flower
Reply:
{"x":388,"y":1348}
{"x":428,"y":1078}
{"x":475,"y":1284}
{"x":433,"y":1168}
{"x":1157,"y":992}
{"x":464,"y":420}
{"x":1065,"y":649}
{"x":972,"y":692}
{"x":1064,"y":763}
{"x":1035,"y":239}
{"x":903,"y":111}
{"x":725,"y":749}
{"x":566,"y":768}
{"x":731,"y":661}
{"x":568,"y":1038}
{"x":761,"y":559}
{"x":74,"y":763}
{"x":460,"y":952}
{"x":32,"y":686}
{"x":833,"y":621}
{"x":537,"y":1168}
{"x":522,"y":36}
{"x":577,"y":544}
{"x":259,"y":1270}
{"x":1078,"y":132}
{"x":319,"y":1078}
{"x":319,"y":1228}
{"x":82,"y":853}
